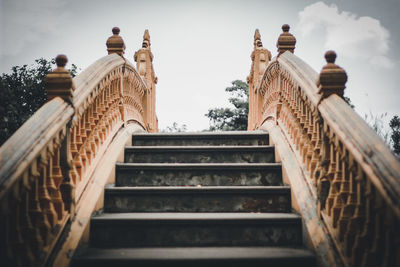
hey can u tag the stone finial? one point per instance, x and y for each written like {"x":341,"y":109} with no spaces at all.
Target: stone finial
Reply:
{"x":59,"y":81}
{"x":332,"y":78}
{"x":257,"y":38}
{"x":115,"y":44}
{"x":146,"y":39}
{"x":286,"y":41}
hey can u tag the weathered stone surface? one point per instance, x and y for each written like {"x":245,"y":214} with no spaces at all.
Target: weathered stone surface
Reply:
{"x":131,"y":174}
{"x":199,"y":154}
{"x":195,"y":229}
{"x":197,"y":199}
{"x":194,"y":200}
{"x":197,"y":256}
{"x":196,"y":139}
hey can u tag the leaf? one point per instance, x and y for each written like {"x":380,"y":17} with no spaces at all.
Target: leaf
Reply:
{"x":231,"y":119}
{"x":22,"y":92}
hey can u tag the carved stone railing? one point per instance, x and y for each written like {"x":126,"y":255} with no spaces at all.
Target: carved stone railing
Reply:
{"x":46,"y":166}
{"x":351,"y":174}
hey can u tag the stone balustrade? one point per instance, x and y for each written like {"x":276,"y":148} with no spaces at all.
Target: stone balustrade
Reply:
{"x":46,"y":167}
{"x":352,"y":175}
{"x":345,"y":181}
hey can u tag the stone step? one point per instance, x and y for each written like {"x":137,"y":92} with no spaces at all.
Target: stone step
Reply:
{"x":201,"y":139}
{"x":205,"y":174}
{"x":199,"y":154}
{"x":195,"y":256}
{"x":195,"y":229}
{"x":198,"y":199}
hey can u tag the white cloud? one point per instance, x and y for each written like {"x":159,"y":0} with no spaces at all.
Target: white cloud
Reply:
{"x":24,"y":22}
{"x":346,"y":33}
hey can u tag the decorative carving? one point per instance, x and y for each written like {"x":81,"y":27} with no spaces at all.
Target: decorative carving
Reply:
{"x":144,"y":64}
{"x":115,"y":43}
{"x":260,"y":58}
{"x":323,"y":191}
{"x":146,"y":39}
{"x":59,"y":81}
{"x":332,"y":78}
{"x":359,"y":218}
{"x":286,"y":41}
{"x":38,"y":198}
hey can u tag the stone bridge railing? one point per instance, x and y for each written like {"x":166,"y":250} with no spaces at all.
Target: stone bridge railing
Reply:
{"x":47,"y":189}
{"x":345,"y":180}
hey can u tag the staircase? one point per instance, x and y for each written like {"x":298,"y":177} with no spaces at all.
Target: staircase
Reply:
{"x":214,"y":199}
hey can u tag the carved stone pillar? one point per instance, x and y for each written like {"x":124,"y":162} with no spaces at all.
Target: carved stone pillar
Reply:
{"x":144,"y":65}
{"x":260,"y":58}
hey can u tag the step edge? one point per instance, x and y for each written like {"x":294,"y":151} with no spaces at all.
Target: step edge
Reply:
{"x":129,"y":165}
{"x":199,"y":148}
{"x":245,"y":190}
{"x":250,"y":134}
{"x":197,"y":253}
{"x":206,"y":218}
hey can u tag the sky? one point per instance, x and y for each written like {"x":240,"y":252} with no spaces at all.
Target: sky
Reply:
{"x":200,"y":47}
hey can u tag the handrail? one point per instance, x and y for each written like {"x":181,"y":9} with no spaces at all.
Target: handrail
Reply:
{"x":40,"y":131}
{"x":46,"y":166}
{"x":354,"y":174}
{"x":92,"y":76}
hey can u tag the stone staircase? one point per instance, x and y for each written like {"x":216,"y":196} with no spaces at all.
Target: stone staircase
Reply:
{"x":195,"y":199}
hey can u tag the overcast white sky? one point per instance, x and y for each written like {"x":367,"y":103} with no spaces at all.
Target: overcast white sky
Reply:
{"x":199,"y":47}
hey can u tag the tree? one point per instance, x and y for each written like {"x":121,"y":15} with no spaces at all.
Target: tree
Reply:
{"x":22,"y":93}
{"x":232,"y":119}
{"x":395,"y":136}
{"x":175,"y":128}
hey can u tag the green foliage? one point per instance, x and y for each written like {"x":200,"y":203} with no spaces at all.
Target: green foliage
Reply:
{"x":232,"y":119}
{"x":175,"y":128}
{"x":22,"y":93}
{"x":395,"y":136}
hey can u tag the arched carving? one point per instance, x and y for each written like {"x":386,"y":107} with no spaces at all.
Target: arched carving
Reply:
{"x":355,"y":175}
{"x":43,"y":181}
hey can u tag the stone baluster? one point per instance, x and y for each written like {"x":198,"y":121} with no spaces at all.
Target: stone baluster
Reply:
{"x":56,"y":177}
{"x":352,"y":207}
{"x":45,"y":186}
{"x":28,"y":230}
{"x":346,"y":194}
{"x":337,"y":182}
